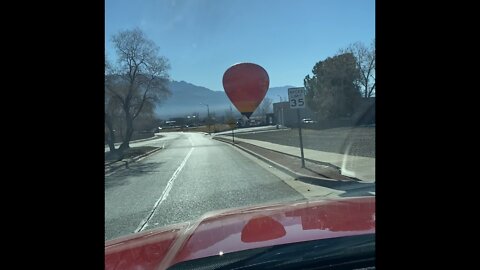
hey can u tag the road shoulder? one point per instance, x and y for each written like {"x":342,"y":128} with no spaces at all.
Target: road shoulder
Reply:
{"x":307,"y":190}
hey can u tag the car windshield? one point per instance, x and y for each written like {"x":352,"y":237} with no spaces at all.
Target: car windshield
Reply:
{"x":214,"y":105}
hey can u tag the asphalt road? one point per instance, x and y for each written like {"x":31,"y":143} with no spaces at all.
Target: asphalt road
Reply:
{"x":194,"y":174}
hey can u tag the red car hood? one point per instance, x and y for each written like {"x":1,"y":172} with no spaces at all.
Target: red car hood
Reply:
{"x":240,"y":229}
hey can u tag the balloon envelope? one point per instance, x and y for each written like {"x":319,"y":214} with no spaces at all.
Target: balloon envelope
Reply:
{"x":246,"y":85}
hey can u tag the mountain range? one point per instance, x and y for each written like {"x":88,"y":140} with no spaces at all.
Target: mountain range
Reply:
{"x":187,"y":99}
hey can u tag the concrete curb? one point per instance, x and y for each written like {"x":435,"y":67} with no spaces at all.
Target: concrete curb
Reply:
{"x":124,"y":163}
{"x":149,"y":139}
{"x":339,"y":170}
{"x":297,"y":176}
{"x":146,"y":139}
{"x":223,"y":133}
{"x":307,"y":159}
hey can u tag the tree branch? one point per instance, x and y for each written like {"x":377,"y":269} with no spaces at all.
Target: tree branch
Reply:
{"x":371,"y":90}
{"x":143,"y":100}
{"x":116,"y":95}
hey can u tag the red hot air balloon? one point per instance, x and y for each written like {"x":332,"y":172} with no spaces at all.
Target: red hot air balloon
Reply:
{"x":246,"y":85}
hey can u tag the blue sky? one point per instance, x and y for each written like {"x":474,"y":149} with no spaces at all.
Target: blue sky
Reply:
{"x":202,"y":38}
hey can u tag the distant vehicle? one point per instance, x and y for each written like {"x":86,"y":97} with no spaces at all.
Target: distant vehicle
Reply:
{"x":307,"y":121}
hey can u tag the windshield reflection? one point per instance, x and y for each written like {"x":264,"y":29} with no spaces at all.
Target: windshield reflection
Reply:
{"x":262,"y":228}
{"x":274,"y":226}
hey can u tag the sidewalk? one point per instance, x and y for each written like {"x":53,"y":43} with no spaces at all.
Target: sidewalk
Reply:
{"x":252,"y":130}
{"x":362,"y":168}
{"x":155,"y":136}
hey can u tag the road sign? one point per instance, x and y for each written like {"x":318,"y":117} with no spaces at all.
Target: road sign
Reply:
{"x":296,"y":97}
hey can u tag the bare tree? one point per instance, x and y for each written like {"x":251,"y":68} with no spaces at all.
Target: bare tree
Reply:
{"x":112,"y":110}
{"x":139,"y":79}
{"x":366,"y":63}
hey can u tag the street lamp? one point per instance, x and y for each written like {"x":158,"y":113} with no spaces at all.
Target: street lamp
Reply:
{"x":208,"y":115}
{"x":208,"y":109}
{"x":281,"y":107}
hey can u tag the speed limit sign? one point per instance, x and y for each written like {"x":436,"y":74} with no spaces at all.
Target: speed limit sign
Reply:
{"x":296,"y":97}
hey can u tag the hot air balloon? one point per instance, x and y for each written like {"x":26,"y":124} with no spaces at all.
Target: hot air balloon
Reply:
{"x":246,"y":85}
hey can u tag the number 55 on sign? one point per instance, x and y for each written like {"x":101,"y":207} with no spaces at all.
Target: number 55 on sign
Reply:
{"x":296,"y":96}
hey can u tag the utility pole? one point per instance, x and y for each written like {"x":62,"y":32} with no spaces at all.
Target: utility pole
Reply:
{"x":281,"y":108}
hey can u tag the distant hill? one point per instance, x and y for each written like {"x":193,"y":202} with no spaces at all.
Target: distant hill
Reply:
{"x":275,"y":93}
{"x":187,"y":98}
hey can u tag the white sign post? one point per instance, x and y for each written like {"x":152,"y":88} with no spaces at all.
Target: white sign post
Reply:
{"x":296,"y":97}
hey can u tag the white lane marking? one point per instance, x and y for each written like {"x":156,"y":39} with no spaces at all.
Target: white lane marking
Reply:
{"x":165,"y":193}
